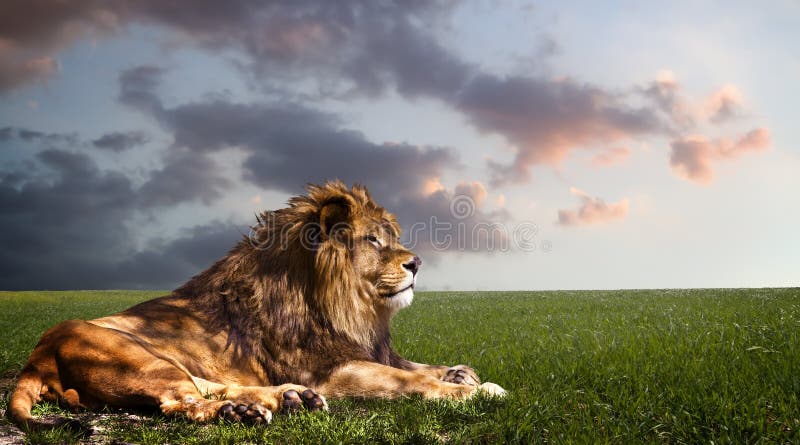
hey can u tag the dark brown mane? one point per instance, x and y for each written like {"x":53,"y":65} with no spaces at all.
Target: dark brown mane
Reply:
{"x":282,"y":288}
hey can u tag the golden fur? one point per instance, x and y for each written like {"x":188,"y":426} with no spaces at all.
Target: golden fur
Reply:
{"x":298,"y":311}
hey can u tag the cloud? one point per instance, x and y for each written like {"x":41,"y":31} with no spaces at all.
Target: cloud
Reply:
{"x":317,"y":48}
{"x":408,"y":57}
{"x":38,"y":137}
{"x":301,"y":50}
{"x":53,"y":227}
{"x":16,"y":71}
{"x":611,"y":156}
{"x":666,"y":94}
{"x":185,"y":177}
{"x":120,"y":141}
{"x":724,"y":105}
{"x":475,"y":190}
{"x":593,"y":210}
{"x":75,"y":228}
{"x":755,"y":140}
{"x":546,"y":119}
{"x":692,"y":157}
{"x":137,"y":88}
{"x":685,"y":113}
{"x":442,"y":220}
{"x":287,"y":145}
{"x":167,"y":263}
{"x":78,"y":227}
{"x":31,"y":32}
{"x":278,"y":38}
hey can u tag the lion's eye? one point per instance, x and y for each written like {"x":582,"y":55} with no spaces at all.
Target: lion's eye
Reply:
{"x":374,"y":240}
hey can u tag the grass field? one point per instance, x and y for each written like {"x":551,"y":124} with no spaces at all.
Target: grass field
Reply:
{"x":660,"y":366}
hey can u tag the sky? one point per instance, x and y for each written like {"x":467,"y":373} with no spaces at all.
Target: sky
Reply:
{"x":522,"y":145}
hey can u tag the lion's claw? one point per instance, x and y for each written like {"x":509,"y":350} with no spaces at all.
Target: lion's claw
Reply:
{"x":462,"y":375}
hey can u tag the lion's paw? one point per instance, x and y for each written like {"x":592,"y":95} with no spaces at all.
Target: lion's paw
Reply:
{"x":244,"y":412}
{"x":463,"y":375}
{"x":491,"y":390}
{"x":294,"y":401}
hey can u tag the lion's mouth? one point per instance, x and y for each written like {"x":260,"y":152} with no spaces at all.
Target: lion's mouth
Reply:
{"x":394,"y":294}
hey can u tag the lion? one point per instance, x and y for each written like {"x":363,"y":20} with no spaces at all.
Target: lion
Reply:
{"x":295,"y":313}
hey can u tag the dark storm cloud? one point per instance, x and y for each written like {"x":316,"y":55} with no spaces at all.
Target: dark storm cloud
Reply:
{"x":120,"y":141}
{"x":66,"y":223}
{"x":408,"y":57}
{"x":56,"y":230}
{"x":40,"y":137}
{"x":166,"y":264}
{"x":288,"y":145}
{"x":185,"y":177}
{"x":293,"y":34}
{"x":31,"y":32}
{"x":75,"y":231}
{"x":137,"y":88}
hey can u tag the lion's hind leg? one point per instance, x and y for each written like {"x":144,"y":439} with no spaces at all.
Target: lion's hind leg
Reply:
{"x":100,"y":366}
{"x":283,"y":398}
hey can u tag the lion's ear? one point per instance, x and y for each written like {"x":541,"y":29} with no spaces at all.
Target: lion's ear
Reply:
{"x":335,"y":218}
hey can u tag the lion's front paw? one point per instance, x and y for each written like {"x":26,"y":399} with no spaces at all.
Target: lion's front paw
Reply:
{"x":244,"y":412}
{"x":204,"y":410}
{"x":294,"y":400}
{"x":492,"y":390}
{"x":463,"y":375}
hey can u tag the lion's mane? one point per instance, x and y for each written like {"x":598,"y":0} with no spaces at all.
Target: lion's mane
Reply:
{"x":285,"y":292}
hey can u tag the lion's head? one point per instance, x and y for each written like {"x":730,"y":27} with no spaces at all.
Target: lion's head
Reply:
{"x":344,"y":252}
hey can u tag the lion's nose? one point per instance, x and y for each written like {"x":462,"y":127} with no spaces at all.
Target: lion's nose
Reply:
{"x":413,"y":265}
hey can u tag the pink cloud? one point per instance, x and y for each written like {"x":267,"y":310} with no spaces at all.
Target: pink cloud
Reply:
{"x":692,"y":157}
{"x":724,"y":104}
{"x":667,"y":94}
{"x":544,"y":120}
{"x":684,"y":113}
{"x":16,"y":68}
{"x":475,"y":190}
{"x":755,"y":140}
{"x":593,"y":210}
{"x":611,"y":156}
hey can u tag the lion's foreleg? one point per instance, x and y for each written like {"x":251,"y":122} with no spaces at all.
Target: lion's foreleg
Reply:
{"x":373,"y":380}
{"x":282,"y":398}
{"x":461,"y":374}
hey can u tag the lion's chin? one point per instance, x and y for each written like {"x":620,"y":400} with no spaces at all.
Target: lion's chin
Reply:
{"x":400,"y":299}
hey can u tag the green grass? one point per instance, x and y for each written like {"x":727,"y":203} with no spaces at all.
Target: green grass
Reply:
{"x":661,"y":366}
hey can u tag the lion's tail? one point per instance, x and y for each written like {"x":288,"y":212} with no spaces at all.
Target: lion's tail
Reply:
{"x":27,"y":393}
